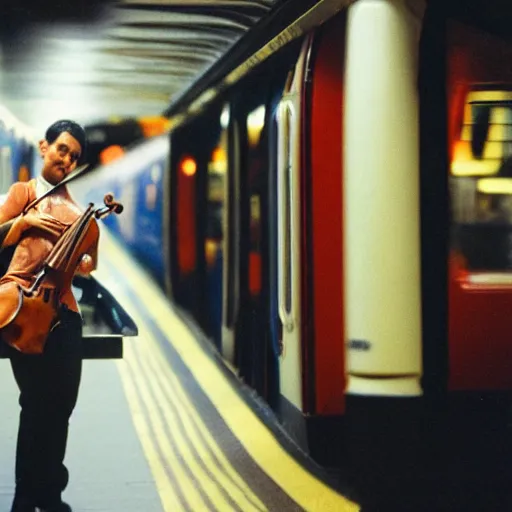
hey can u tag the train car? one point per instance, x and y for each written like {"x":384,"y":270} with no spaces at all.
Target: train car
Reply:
{"x":17,"y":151}
{"x":139,"y":180}
{"x":336,"y":218}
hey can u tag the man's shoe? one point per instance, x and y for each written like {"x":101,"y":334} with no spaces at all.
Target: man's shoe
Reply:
{"x":59,"y":507}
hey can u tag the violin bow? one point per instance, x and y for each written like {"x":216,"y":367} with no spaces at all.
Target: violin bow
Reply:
{"x":79,"y":171}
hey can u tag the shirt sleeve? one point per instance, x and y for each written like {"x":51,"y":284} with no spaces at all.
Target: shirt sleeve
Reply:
{"x":16,"y":200}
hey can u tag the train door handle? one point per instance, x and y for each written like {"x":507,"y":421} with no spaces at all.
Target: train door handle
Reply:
{"x":286,"y":218}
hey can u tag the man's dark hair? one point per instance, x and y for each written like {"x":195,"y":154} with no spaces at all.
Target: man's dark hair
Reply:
{"x":74,"y":129}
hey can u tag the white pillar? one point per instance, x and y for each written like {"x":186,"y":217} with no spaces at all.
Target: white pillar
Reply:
{"x":381,"y":194}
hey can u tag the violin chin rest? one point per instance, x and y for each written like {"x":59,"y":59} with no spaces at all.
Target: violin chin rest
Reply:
{"x":11,"y":300}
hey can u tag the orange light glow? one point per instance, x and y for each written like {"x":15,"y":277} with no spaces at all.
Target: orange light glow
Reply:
{"x":219,"y":155}
{"x":462,"y":151}
{"x":111,"y":153}
{"x":188,"y":166}
{"x":152,"y":126}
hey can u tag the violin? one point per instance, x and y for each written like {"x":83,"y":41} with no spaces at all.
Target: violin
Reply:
{"x":28,"y":315}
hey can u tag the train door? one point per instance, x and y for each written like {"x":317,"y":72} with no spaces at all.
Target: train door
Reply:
{"x":310,"y":248}
{"x":275,"y":327}
{"x":197,"y":158}
{"x":289,"y":235}
{"x":245,"y":326}
{"x":479,"y":85}
{"x":250,"y":321}
{"x":252,"y":345}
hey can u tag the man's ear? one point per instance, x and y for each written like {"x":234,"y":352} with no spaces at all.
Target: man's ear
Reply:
{"x":43,"y":147}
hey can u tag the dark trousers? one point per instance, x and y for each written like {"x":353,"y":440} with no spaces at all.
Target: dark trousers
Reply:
{"x":48,"y":386}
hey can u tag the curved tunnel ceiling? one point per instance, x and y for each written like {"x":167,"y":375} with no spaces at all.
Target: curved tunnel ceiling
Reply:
{"x":95,"y":59}
{"x":124,"y":58}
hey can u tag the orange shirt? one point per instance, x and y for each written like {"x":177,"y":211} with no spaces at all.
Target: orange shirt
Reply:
{"x":35,"y":246}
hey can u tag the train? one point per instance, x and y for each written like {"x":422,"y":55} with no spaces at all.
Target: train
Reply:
{"x":334,"y":214}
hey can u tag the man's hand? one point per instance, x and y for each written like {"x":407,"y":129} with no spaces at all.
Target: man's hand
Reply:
{"x":42,"y":221}
{"x":32,"y":219}
{"x":85,"y":265}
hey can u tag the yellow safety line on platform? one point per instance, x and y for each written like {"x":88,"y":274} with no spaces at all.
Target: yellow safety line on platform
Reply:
{"x":238,"y":490}
{"x":304,"y":488}
{"x":209,"y":485}
{"x":166,"y":492}
{"x":176,"y":460}
{"x":141,"y":357}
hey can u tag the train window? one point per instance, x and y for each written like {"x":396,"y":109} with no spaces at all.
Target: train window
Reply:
{"x":217,"y":168}
{"x":480,"y":93}
{"x":215,"y":195}
{"x":257,"y":160}
{"x":481,"y":182}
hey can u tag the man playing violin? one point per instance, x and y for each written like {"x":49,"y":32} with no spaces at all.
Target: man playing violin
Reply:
{"x":48,"y":382}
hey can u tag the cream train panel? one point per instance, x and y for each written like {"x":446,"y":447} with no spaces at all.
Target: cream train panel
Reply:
{"x":381,"y":194}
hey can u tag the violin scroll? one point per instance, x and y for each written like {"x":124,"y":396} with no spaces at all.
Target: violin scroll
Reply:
{"x":111,"y":206}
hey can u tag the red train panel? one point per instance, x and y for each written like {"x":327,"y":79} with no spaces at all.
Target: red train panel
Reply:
{"x":327,"y":220}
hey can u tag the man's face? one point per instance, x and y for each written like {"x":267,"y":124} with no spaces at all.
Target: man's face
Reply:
{"x":60,"y":157}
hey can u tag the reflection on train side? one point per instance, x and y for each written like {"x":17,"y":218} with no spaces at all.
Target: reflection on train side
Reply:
{"x":214,"y":239}
{"x":480,"y":292}
{"x":482,"y":182}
